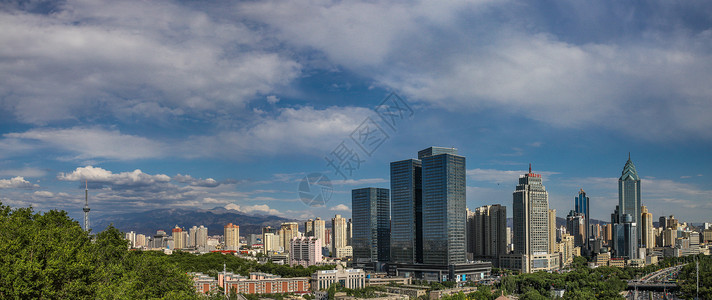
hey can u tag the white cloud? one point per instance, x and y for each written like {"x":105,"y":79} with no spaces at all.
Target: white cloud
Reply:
{"x":132,"y":59}
{"x":45,"y":194}
{"x":90,"y":142}
{"x":208,"y":182}
{"x":95,"y":174}
{"x":292,"y":130}
{"x":258,"y":208}
{"x":340,"y":207}
{"x":18,"y":182}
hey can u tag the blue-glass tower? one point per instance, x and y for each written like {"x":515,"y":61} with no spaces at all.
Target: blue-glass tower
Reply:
{"x":371,"y":224}
{"x":444,"y":211}
{"x":406,"y":211}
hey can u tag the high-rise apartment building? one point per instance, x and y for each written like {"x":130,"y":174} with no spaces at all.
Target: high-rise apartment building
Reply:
{"x":338,"y":233}
{"x":489,"y":232}
{"x":406,"y":211}
{"x":444,"y":203}
{"x":179,"y":238}
{"x":552,"y":230}
{"x":305,"y":251}
{"x":371,"y":212}
{"x":232,"y":237}
{"x":646,"y":229}
{"x":470,"y":233}
{"x":287,"y":232}
{"x":315,"y":228}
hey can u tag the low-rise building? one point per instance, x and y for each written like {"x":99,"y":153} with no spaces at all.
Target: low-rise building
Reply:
{"x":263,"y":283}
{"x":202,"y":283}
{"x":348,"y":278}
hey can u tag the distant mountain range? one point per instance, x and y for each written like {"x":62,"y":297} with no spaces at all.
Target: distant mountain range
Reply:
{"x":149,"y":222}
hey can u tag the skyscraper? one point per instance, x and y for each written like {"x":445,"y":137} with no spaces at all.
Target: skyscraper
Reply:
{"x":576,"y":227}
{"x":470,"y":233}
{"x":287,"y":232}
{"x":338,"y":232}
{"x":552,"y":230}
{"x":629,"y":194}
{"x":489,"y":231}
{"x":179,"y":238}
{"x":582,"y":207}
{"x":315,"y":228}
{"x":371,"y":224}
{"x":646,"y":228}
{"x":232,"y":237}
{"x":444,"y":205}
{"x":531,"y":234}
{"x":530,"y":215}
{"x":406,"y":211}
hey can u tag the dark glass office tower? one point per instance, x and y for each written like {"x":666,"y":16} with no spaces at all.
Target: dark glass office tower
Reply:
{"x":406,"y":212}
{"x":371,"y":224}
{"x":443,"y":206}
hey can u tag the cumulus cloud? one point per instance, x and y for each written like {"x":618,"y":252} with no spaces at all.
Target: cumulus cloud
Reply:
{"x":99,"y":175}
{"x":208,"y":182}
{"x":252,"y":209}
{"x":18,"y":182}
{"x":340,"y":207}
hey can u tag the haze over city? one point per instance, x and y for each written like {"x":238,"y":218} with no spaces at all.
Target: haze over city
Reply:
{"x":177,"y":105}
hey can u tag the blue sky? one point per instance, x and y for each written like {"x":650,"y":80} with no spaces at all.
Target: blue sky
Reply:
{"x":230,"y":104}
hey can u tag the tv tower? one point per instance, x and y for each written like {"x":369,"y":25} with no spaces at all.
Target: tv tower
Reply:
{"x":86,"y":206}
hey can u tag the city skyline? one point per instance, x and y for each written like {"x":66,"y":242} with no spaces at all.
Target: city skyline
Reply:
{"x":232,"y":105}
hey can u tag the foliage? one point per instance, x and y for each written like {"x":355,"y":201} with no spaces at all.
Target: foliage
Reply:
{"x":580,"y":283}
{"x":49,"y":256}
{"x":688,"y":278}
{"x":212,"y":263}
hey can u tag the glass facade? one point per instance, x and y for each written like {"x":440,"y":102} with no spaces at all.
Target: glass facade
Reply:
{"x":582,"y":207}
{"x":371,"y":224}
{"x":444,"y":207}
{"x":406,"y":211}
{"x":629,"y":195}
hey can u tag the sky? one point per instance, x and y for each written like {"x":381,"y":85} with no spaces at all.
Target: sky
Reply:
{"x":204,"y":104}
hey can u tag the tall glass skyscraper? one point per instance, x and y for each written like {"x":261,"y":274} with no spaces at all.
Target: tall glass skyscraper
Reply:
{"x":444,"y":203}
{"x":582,"y":207}
{"x":629,"y":195}
{"x":371,"y":224}
{"x":530,"y":209}
{"x":406,"y":211}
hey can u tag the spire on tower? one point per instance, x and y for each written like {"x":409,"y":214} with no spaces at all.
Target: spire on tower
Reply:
{"x":530,"y":168}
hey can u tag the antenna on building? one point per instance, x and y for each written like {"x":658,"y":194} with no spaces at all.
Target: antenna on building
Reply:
{"x":530,"y":168}
{"x":86,"y":205}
